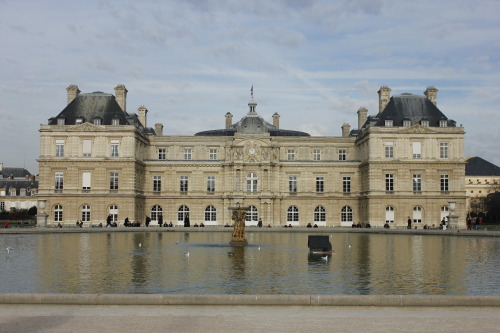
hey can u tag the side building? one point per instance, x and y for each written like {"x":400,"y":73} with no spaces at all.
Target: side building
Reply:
{"x":96,"y":159}
{"x":18,"y":189}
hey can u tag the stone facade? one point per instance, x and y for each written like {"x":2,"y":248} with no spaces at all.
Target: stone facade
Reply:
{"x":93,"y":164}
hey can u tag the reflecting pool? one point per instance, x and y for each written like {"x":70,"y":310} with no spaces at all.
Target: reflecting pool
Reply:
{"x":273,"y":263}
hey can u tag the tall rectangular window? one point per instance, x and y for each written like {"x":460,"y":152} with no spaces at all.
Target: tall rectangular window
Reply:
{"x":113,"y":180}
{"x":342,"y":155}
{"x":389,"y":149}
{"x":417,"y":150}
{"x":443,"y":150}
{"x":59,"y":180}
{"x":320,"y":184}
{"x":86,"y":180}
{"x":346,"y":184}
{"x":292,"y":184}
{"x":59,"y":148}
{"x":291,"y":155}
{"x":417,"y":183}
{"x":444,"y":183}
{"x":211,"y":184}
{"x":157,"y":183}
{"x":2,"y":206}
{"x":162,"y":154}
{"x":115,"y":144}
{"x":389,"y":182}
{"x":87,"y":148}
{"x":212,"y":154}
{"x":317,"y":155}
{"x":188,"y":154}
{"x":184,"y":184}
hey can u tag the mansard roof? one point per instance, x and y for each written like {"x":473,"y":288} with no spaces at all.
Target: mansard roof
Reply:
{"x":251,"y":123}
{"x":16,"y":173}
{"x":476,"y":166}
{"x":94,"y":105}
{"x":411,"y":107}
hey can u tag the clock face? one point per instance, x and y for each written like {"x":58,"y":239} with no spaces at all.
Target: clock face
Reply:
{"x":251,"y":151}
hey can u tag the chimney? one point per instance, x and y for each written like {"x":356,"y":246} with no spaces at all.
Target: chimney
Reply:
{"x":121,"y":96}
{"x":142,"y":115}
{"x":1,"y":167}
{"x":384,"y":94}
{"x":73,"y":91}
{"x":32,"y":179}
{"x":229,"y":119}
{"x":276,"y":120}
{"x":159,"y":129}
{"x":362,"y":116}
{"x":431,"y":94}
{"x":346,"y":129}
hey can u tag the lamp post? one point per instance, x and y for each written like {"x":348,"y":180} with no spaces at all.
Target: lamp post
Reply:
{"x":452,"y":217}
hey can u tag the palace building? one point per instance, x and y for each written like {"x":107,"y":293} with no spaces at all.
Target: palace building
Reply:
{"x":97,"y":159}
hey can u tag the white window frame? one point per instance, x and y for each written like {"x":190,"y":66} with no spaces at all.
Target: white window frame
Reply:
{"x":58,"y":213}
{"x":292,"y":184}
{"x":417,"y":182}
{"x":389,"y":149}
{"x":210,"y":214}
{"x":87,"y":148}
{"x":320,"y":184}
{"x":115,"y":148}
{"x":212,"y":154}
{"x":162,"y":154}
{"x":319,"y":214}
{"x":188,"y":154}
{"x":346,"y":214}
{"x":317,"y":155}
{"x":113,"y":180}
{"x":184,"y":184}
{"x":444,"y":183}
{"x":292,"y":214}
{"x":85,"y":213}
{"x":211,"y":184}
{"x":157,"y":183}
{"x":346,"y":184}
{"x":59,"y":180}
{"x":389,"y":214}
{"x":59,"y":148}
{"x":389,"y":182}
{"x":342,"y":154}
{"x":86,"y":180}
{"x":417,"y":149}
{"x":443,"y":149}
{"x":252,"y":182}
{"x":290,"y":155}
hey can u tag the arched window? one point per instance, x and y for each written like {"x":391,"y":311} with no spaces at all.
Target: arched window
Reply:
{"x":252,"y":214}
{"x":252,"y":182}
{"x":319,"y":214}
{"x":85,"y":213}
{"x":444,"y":213}
{"x":210,"y":214}
{"x":389,"y":214}
{"x":58,"y":213}
{"x":155,"y":212}
{"x":113,"y":211}
{"x":346,"y":214}
{"x":292,"y":214}
{"x":182,"y":212}
{"x":417,"y":214}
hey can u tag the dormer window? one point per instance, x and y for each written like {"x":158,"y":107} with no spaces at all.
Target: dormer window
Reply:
{"x":443,"y":123}
{"x":79,"y":121}
{"x":388,"y":123}
{"x":407,"y":123}
{"x":97,"y":121}
{"x":115,"y":121}
{"x":424,"y":123}
{"x":61,"y":121}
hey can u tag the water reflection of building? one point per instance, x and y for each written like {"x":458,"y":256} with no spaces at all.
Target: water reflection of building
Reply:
{"x":97,"y":159}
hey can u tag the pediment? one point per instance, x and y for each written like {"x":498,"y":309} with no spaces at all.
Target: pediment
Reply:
{"x":416,"y":129}
{"x":86,"y":127}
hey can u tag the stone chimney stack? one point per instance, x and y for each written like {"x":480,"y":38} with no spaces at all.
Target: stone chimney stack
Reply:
{"x":73,"y":91}
{"x":276,"y":120}
{"x":1,"y":167}
{"x":362,"y":116}
{"x":142,"y":111}
{"x":121,"y":96}
{"x":384,"y":95}
{"x":159,"y":129}
{"x":229,"y":119}
{"x":431,"y":94}
{"x":346,"y":129}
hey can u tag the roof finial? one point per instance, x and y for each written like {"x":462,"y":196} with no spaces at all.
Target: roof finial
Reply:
{"x":251,"y":91}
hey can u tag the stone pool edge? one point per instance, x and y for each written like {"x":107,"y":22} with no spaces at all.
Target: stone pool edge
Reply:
{"x":249,"y":300}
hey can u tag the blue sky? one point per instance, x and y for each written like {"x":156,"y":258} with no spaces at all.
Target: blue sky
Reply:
{"x":315,"y":62}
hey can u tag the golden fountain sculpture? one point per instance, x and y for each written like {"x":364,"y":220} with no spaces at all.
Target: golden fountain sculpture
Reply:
{"x":239,"y":216}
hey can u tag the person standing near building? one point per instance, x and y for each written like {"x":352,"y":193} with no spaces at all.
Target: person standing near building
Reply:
{"x":108,"y":221}
{"x":148,"y":220}
{"x":409,"y":223}
{"x":160,"y":220}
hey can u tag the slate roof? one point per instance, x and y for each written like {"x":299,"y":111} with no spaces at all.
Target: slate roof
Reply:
{"x":97,"y":105}
{"x":15,"y":172}
{"x":8,"y":184}
{"x":251,"y":123}
{"x":476,"y":166}
{"x":411,"y":107}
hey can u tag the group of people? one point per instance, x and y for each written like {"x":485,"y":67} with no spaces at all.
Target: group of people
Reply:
{"x":359,"y":225}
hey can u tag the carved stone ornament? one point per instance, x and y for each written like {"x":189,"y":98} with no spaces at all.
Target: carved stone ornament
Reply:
{"x":86,"y":127}
{"x":416,"y":129}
